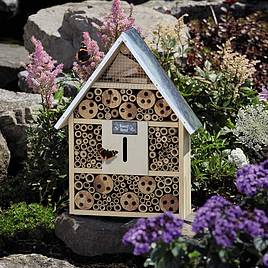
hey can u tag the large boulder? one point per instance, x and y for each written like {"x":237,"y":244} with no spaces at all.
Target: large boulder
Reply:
{"x":32,"y":261}
{"x":16,"y":113}
{"x":92,"y":236}
{"x":11,"y":59}
{"x":4,"y":158}
{"x":8,"y":8}
{"x":60,"y":27}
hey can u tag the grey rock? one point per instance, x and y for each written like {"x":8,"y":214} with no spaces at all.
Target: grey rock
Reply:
{"x":60,"y":27}
{"x":92,"y":236}
{"x":16,"y":113}
{"x":32,"y":261}
{"x":11,"y":59}
{"x":4,"y":158}
{"x":8,"y":8}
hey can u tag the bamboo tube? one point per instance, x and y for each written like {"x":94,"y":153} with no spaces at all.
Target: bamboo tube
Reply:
{"x":135,"y":190}
{"x":109,"y":208}
{"x":166,"y":161}
{"x":132,"y":98}
{"x":114,"y":177}
{"x":98,"y":146}
{"x":158,"y":140}
{"x":76,"y":127}
{"x":151,"y":147}
{"x":92,"y":142}
{"x":167,"y":189}
{"x":76,"y":152}
{"x":158,"y":95}
{"x":175,"y":186}
{"x":99,"y":202}
{"x":129,"y":91}
{"x":107,"y":109}
{"x":139,"y":116}
{"x":175,"y":168}
{"x":95,"y":207}
{"x":83,"y":147}
{"x":120,"y":178}
{"x":164,"y":139}
{"x":175,"y":192}
{"x":135,"y":183}
{"x":113,"y":195}
{"x":101,"y":107}
{"x":136,"y":179}
{"x":125,"y":98}
{"x":78,"y":185}
{"x":116,"y":188}
{"x":89,"y":127}
{"x":83,"y":128}
{"x":171,"y":146}
{"x":90,"y":136}
{"x":77,"y":164}
{"x":76,"y":115}
{"x":90,"y":95}
{"x":147,"y":117}
{"x":151,"y":209}
{"x":150,"y":136}
{"x":151,"y":130}
{"x":100,"y":115}
{"x":131,"y":187}
{"x":98,"y":98}
{"x":108,"y":116}
{"x":157,"y":208}
{"x":161,"y":185}
{"x":142,"y":208}
{"x":158,"y":193}
{"x":117,"y":183}
{"x":122,"y":91}
{"x":139,"y":110}
{"x":85,"y":141}
{"x":155,"y":201}
{"x":161,"y":118}
{"x":152,"y":154}
{"x":148,"y":203}
{"x":152,"y":195}
{"x":77,"y":134}
{"x":97,"y":196}
{"x":105,"y":203}
{"x":151,"y":111}
{"x":83,"y":153}
{"x":174,"y":160}
{"x":114,"y":113}
{"x":96,"y":131}
{"x":173,"y":117}
{"x":172,"y":131}
{"x":88,"y":165}
{"x":174,"y":152}
{"x":153,"y":141}
{"x":158,"y":145}
{"x":121,"y":190}
{"x":123,"y":184}
{"x":157,"y":179}
{"x":163,"y":131}
{"x":153,"y":166}
{"x":89,"y":178}
{"x":77,"y":148}
{"x":98,"y":91}
{"x":98,"y":165}
{"x":155,"y":117}
{"x":168,"y":181}
{"x":117,"y":207}
{"x":109,"y":199}
{"x":140,"y":194}
{"x":84,"y":135}
{"x":159,"y":163}
{"x":158,"y":134}
{"x":147,"y":197}
{"x":99,"y":138}
{"x":83,"y":161}
{"x":102,"y":208}
{"x":116,"y":200}
{"x":77,"y":177}
{"x":142,"y":200}
{"x":77,"y":158}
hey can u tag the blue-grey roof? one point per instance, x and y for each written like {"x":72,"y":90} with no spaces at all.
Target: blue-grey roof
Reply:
{"x":155,"y":72}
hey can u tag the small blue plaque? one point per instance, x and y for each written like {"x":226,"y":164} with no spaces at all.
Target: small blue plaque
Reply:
{"x":125,"y":128}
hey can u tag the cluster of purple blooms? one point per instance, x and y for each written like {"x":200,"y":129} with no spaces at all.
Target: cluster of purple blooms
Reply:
{"x":225,"y":221}
{"x":164,"y":228}
{"x":251,"y":179}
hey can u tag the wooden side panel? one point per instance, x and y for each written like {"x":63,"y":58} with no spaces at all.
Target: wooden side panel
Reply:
{"x":185,"y":172}
{"x":71,"y":163}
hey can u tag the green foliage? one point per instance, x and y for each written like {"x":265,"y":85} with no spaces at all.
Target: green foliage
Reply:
{"x":24,"y":218}
{"x":47,"y":162}
{"x":212,"y":173}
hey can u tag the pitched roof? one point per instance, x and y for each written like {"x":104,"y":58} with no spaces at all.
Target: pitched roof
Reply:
{"x":154,"y":71}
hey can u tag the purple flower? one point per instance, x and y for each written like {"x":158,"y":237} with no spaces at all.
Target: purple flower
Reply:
{"x":115,"y":23}
{"x":42,"y":73}
{"x":251,"y":179}
{"x":263,"y":95}
{"x":225,"y":221}
{"x":84,"y":69}
{"x":265,"y":259}
{"x":164,"y":228}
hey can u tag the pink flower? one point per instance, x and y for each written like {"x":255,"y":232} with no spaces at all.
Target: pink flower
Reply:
{"x":115,"y":23}
{"x":83,"y":69}
{"x":42,"y":73}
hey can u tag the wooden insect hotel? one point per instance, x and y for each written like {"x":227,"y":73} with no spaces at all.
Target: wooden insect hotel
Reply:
{"x":130,"y":111}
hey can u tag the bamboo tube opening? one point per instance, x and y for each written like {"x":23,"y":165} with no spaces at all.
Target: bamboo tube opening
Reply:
{"x":100,"y":115}
{"x":98,"y":98}
{"x":78,"y":185}
{"x":142,"y":208}
{"x":155,"y":117}
{"x":139,"y":116}
{"x":98,"y":91}
{"x":90,"y":95}
{"x":76,"y":127}
{"x":158,"y":193}
{"x":78,"y":134}
{"x":129,"y":91}
{"x":132,"y":98}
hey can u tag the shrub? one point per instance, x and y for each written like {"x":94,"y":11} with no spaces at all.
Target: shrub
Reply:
{"x":25,"y":218}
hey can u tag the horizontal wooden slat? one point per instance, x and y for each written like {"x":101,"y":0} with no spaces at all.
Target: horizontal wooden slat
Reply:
{"x":164,"y":173}
{"x":163,"y":124}
{"x":88,"y":121}
{"x":123,"y":85}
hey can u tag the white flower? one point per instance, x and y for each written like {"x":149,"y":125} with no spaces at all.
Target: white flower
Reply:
{"x":238,"y":158}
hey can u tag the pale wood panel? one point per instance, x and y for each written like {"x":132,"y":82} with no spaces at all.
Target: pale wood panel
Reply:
{"x":185,"y":172}
{"x":71,"y":163}
{"x":137,"y":150}
{"x":164,"y":173}
{"x":163,"y":124}
{"x":118,"y":214}
{"x":123,"y":85}
{"x":88,"y":121}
